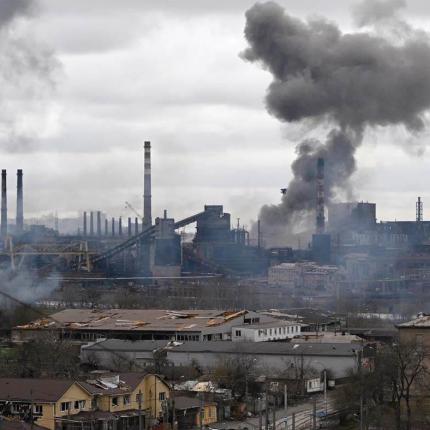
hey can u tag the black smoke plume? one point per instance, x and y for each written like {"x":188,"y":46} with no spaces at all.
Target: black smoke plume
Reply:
{"x":350,"y":81}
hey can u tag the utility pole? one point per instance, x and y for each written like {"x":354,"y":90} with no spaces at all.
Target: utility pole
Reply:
{"x":266,"y":411}
{"x":314,"y":415}
{"x":202,"y":411}
{"x":325,"y":391}
{"x":260,"y":414}
{"x":140,"y":410}
{"x":273,"y":417}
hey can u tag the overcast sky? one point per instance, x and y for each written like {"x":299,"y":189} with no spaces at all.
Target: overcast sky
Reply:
{"x":122,"y":72}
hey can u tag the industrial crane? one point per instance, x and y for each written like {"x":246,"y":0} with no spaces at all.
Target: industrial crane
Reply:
{"x":129,"y":206}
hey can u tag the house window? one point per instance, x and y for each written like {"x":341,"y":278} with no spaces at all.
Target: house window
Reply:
{"x":94,"y":403}
{"x":238,"y":333}
{"x":115,"y":401}
{"x":66,"y":406}
{"x":126,"y":399}
{"x":139,"y":396}
{"x":270,"y":332}
{"x":38,"y":409}
{"x":161,"y":396}
{"x":209,"y":412}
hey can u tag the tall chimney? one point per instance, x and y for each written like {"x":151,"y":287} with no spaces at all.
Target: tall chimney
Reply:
{"x":136,"y":226}
{"x":320,"y":197}
{"x":120,"y":226}
{"x":19,"y":203}
{"x":99,"y":223}
{"x":113,"y":226}
{"x":419,"y":209}
{"x":106,"y":226}
{"x":91,"y":223}
{"x":147,"y":211}
{"x":129,"y":226}
{"x":85,"y":224}
{"x":3,"y":204}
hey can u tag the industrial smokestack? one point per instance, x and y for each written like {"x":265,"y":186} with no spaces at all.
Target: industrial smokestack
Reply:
{"x":419,"y":210}
{"x":129,"y":227}
{"x":120,"y":226}
{"x":85,"y":224}
{"x":113,"y":226}
{"x":136,"y":226}
{"x":3,"y":204}
{"x":106,"y":227}
{"x":99,"y":223}
{"x":91,"y":223}
{"x":19,"y":203}
{"x":147,"y":210}
{"x":320,"y":196}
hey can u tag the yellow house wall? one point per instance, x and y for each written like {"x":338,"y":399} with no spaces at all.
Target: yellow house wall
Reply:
{"x":151,"y":387}
{"x":146,"y":386}
{"x":47,"y":419}
{"x":209,"y":416}
{"x":74,"y":393}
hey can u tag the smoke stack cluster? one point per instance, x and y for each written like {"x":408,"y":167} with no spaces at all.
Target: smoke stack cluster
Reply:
{"x":348,"y":81}
{"x":147,"y":210}
{"x":19,"y":225}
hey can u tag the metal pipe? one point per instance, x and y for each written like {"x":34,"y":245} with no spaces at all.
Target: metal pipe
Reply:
{"x":147,"y":210}
{"x":19,"y":202}
{"x":3,"y":204}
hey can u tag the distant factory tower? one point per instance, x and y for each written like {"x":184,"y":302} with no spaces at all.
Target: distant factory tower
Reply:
{"x":19,"y":203}
{"x":3,"y":204}
{"x":419,"y":210}
{"x":147,"y":211}
{"x":320,"y":197}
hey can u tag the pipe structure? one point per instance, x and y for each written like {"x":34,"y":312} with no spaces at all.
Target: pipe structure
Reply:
{"x":3,"y":204}
{"x":147,"y":210}
{"x":99,"y":223}
{"x":91,"y":223}
{"x":19,"y":202}
{"x":85,"y":224}
{"x":320,"y":221}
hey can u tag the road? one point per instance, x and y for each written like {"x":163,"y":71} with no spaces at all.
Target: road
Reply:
{"x":303,"y":417}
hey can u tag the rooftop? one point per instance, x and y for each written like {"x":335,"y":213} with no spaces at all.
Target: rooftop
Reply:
{"x":42,"y":390}
{"x":228,"y":347}
{"x":422,"y":321}
{"x":135,"y":320}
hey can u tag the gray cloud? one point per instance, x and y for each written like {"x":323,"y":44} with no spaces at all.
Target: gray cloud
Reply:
{"x":371,"y":11}
{"x":348,"y":80}
{"x":26,"y":78}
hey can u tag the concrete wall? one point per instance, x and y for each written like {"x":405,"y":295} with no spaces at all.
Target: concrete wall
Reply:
{"x":255,"y":334}
{"x":338,"y":365}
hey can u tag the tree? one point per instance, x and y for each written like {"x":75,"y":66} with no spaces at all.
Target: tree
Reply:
{"x":237,"y":373}
{"x":393,"y":377}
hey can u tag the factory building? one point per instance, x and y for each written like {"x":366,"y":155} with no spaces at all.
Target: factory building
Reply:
{"x":83,"y":325}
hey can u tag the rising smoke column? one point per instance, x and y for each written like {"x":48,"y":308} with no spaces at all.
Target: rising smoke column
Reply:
{"x":351,"y":81}
{"x":26,"y":76}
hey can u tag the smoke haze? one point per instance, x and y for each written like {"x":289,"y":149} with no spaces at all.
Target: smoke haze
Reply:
{"x":350,"y":81}
{"x":26,"y":77}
